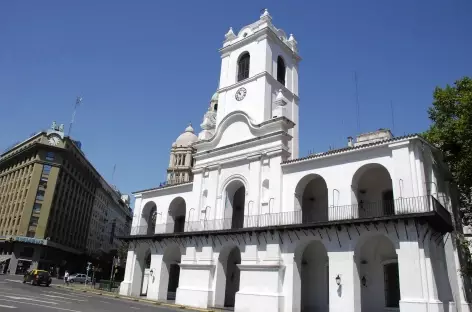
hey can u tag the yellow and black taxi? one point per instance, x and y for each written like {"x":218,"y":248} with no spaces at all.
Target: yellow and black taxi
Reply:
{"x":37,"y":277}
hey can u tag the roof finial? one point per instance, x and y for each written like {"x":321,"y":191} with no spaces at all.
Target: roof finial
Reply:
{"x":189,"y":127}
{"x":266,"y":16}
{"x":230,"y":34}
{"x":292,"y":42}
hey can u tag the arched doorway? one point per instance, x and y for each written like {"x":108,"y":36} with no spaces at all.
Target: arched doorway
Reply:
{"x":170,"y":273}
{"x":311,"y":198}
{"x":377,"y":263}
{"x":312,"y":263}
{"x":148,"y":219}
{"x":234,"y":205}
{"x":177,"y":212}
{"x":372,"y":192}
{"x":228,"y":276}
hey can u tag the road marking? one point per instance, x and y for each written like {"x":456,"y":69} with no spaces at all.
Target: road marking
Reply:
{"x":11,"y":292}
{"x":8,"y":307}
{"x":40,"y":305}
{"x":134,"y":308}
{"x":62,"y":297}
{"x":74,"y":295}
{"x":105,"y":301}
{"x":16,"y":281}
{"x":29,"y":299}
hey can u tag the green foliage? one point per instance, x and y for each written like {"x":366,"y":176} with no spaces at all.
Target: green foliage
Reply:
{"x":451,"y":131}
{"x":466,"y":264}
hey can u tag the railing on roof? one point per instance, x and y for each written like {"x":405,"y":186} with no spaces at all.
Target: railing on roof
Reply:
{"x":175,"y":181}
{"x":364,"y":211}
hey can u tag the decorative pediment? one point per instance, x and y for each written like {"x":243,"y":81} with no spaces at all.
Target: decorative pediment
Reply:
{"x":237,"y":128}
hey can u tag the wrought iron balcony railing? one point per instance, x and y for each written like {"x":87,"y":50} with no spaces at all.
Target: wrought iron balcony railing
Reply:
{"x":367,"y":211}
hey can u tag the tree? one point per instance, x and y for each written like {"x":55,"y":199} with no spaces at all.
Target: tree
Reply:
{"x":451,"y":132}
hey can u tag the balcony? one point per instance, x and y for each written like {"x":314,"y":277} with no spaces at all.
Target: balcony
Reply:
{"x":426,"y":207}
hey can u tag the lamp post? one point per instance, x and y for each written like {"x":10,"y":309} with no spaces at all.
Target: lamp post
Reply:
{"x":114,"y":267}
{"x":88,"y":269}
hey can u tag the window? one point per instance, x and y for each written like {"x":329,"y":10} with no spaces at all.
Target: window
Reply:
{"x":34,"y":221}
{"x":391,"y":285}
{"x":50,"y":156}
{"x":243,"y":66}
{"x":40,"y":195}
{"x":281,"y":70}
{"x":37,"y":208}
{"x":43,"y":183}
{"x":46,"y":169}
{"x":265,"y":191}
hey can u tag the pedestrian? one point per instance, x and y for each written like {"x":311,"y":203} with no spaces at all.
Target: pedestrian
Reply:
{"x":66,"y":278}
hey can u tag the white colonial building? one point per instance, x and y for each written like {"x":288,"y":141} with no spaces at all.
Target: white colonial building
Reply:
{"x":244,"y":222}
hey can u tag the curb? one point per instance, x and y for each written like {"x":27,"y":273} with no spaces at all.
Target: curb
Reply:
{"x":164,"y":304}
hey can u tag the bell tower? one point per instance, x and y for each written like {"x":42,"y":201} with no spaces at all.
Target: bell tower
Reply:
{"x":259,"y":74}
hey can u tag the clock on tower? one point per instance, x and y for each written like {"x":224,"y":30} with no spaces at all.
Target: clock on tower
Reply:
{"x":256,"y":63}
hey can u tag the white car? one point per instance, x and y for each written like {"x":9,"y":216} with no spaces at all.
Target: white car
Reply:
{"x":79,"y":278}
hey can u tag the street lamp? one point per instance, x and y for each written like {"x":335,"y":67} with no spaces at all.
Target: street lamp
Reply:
{"x":338,"y":280}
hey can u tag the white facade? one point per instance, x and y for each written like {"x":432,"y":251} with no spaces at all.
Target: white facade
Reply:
{"x":365,"y":228}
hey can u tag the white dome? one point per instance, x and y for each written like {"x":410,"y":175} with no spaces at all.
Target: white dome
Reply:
{"x":187,"y":138}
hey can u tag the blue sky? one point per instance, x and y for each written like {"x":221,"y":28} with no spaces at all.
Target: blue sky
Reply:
{"x":147,"y":68}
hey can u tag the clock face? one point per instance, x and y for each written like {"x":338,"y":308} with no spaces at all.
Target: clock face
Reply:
{"x":54,"y":140}
{"x":213,"y":118}
{"x":240,"y":94}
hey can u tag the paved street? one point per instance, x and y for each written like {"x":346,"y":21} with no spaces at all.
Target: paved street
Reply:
{"x":16,"y":296}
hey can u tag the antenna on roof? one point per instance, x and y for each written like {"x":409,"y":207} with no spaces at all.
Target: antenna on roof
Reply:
{"x":113,"y":174}
{"x":393,"y":117}
{"x":357,"y":104}
{"x":78,"y":101}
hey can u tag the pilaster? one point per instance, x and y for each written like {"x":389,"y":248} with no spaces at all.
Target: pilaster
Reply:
{"x":345,"y":297}
{"x":260,"y":288}
{"x":412,"y":269}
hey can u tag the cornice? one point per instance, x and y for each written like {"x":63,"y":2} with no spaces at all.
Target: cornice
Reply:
{"x":266,"y":32}
{"x":289,"y":94}
{"x":261,"y":267}
{"x":399,"y":144}
{"x":167,"y":188}
{"x":349,"y":150}
{"x":243,"y":82}
{"x":265,"y":129}
{"x":197,"y":266}
{"x":239,"y":145}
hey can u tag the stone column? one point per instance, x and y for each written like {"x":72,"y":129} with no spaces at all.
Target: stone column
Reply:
{"x":345,"y":297}
{"x":14,"y":259}
{"x":188,"y":158}
{"x":195,"y":284}
{"x":292,"y":283}
{"x":413,"y":282}
{"x":36,"y":257}
{"x":260,"y":288}
{"x":131,"y":285}
{"x":171,"y":161}
{"x":155,"y":278}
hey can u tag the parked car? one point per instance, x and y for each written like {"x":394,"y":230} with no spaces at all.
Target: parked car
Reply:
{"x":37,"y":277}
{"x":79,"y":278}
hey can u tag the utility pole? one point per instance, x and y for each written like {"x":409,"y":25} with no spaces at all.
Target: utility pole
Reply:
{"x":115,"y":262}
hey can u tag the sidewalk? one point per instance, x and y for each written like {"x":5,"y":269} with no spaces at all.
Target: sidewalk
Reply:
{"x":89,"y":289}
